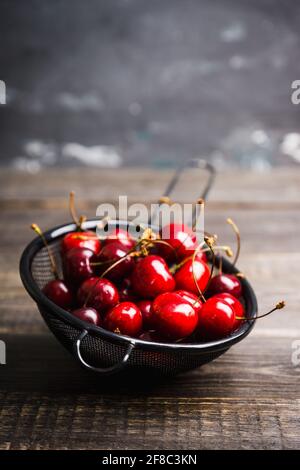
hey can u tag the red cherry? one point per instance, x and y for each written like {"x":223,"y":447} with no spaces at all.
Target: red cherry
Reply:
{"x":87,"y":239}
{"x":181,"y":238}
{"x":89,"y":315}
{"x":125,"y":291}
{"x":237,"y":306}
{"x":174,"y":317}
{"x":100,"y":294}
{"x":77,"y":265}
{"x":111,"y":253}
{"x":151,"y":277}
{"x":185,"y":279}
{"x":191,"y":298}
{"x":145,"y":307}
{"x":122,"y":236}
{"x":59,"y":293}
{"x":216,"y":319}
{"x":227,"y":283}
{"x":125,"y":318}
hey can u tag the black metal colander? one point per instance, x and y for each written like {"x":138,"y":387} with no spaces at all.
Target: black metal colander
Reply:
{"x":103,"y":351}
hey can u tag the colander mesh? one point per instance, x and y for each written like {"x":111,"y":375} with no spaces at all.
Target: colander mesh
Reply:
{"x":101,"y":352}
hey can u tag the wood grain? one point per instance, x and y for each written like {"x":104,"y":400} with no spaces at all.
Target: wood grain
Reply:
{"x":247,"y":399}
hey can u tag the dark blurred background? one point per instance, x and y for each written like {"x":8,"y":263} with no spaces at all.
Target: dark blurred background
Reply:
{"x":136,"y":82}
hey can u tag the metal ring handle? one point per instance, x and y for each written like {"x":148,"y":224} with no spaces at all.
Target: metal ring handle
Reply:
{"x":100,"y":370}
{"x":193,"y":163}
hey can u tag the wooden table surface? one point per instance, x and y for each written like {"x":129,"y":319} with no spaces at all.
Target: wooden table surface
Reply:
{"x":249,"y":398}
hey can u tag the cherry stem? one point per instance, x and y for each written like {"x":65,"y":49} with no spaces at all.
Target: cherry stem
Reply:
{"x":238,"y":239}
{"x":201,"y":296}
{"x":210,"y":241}
{"x":165,"y":200}
{"x":278,"y":306}
{"x":200,"y":202}
{"x":225,"y":248}
{"x":221,"y":264}
{"x":77,"y":220}
{"x":39,"y":232}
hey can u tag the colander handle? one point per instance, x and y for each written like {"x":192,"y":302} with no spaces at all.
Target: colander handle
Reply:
{"x":197,"y":163}
{"x":107,"y":370}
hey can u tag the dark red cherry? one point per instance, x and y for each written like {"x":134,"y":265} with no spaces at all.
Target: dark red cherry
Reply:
{"x":100,"y":294}
{"x":181,"y":238}
{"x":184,"y":277}
{"x":237,"y":306}
{"x":121,"y":236}
{"x":125,"y":291}
{"x":216,"y":319}
{"x":87,"y":239}
{"x":191,"y":298}
{"x":111,"y":253}
{"x":174,"y":317}
{"x":228,"y":283}
{"x":89,"y":315}
{"x":59,"y":293}
{"x":77,"y":265}
{"x":145,"y":307}
{"x":151,"y":277}
{"x":125,"y":318}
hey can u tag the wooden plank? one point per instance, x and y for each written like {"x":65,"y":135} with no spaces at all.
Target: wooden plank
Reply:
{"x":276,"y":186}
{"x":262,"y":231}
{"x":40,"y":422}
{"x":238,"y":401}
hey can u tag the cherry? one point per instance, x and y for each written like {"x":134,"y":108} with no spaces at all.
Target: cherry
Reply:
{"x":59,"y":293}
{"x":227,"y":283}
{"x":184,"y":277}
{"x":56,"y":290}
{"x":86,"y":239}
{"x":77,"y":265}
{"x":151,"y":277}
{"x":89,"y":315}
{"x":122,"y":236}
{"x":111,"y":253}
{"x":145,"y":307}
{"x":125,"y":291}
{"x":125,"y":318}
{"x":237,"y":306}
{"x":181,"y":238}
{"x":216,"y":319}
{"x":98,"y":293}
{"x":174,"y":317}
{"x":191,"y":298}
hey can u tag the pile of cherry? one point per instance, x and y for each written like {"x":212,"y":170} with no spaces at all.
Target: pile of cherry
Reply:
{"x":154,"y":288}
{"x":135,"y":288}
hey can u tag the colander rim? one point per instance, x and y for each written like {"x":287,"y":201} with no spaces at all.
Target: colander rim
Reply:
{"x":42,"y":301}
